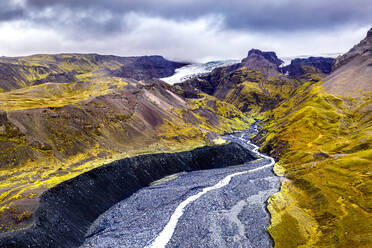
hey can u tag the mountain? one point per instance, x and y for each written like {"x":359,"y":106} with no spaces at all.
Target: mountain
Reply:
{"x":147,"y":67}
{"x":301,"y":67}
{"x":20,"y":72}
{"x":322,"y":139}
{"x":254,"y":84}
{"x":62,"y":115}
{"x":353,"y":70}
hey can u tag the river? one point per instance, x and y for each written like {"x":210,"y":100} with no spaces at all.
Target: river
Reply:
{"x":223,"y":207}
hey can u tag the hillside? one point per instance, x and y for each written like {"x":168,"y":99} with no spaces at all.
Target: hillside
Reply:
{"x":324,"y":147}
{"x":19,"y":72}
{"x":353,"y":71}
{"x":63,"y":115}
{"x":320,"y":133}
{"x":52,"y":130}
{"x":323,"y":140}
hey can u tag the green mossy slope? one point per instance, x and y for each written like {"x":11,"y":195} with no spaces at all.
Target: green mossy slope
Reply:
{"x":52,"y":132}
{"x":324,"y":147}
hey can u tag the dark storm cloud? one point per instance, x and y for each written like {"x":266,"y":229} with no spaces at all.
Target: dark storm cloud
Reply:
{"x":10,"y":12}
{"x":261,"y":15}
{"x":204,"y":29}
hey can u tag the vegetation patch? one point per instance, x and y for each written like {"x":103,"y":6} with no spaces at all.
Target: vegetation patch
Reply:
{"x":328,"y":144}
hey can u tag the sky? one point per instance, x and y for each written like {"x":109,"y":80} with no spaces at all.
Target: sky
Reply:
{"x":192,"y":30}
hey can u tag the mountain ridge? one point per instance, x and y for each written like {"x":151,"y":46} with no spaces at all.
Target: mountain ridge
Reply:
{"x":320,"y":135}
{"x":354,"y":66}
{"x":316,"y":121}
{"x":19,"y":72}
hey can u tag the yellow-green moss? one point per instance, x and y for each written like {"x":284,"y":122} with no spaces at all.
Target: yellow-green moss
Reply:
{"x":331,"y":190}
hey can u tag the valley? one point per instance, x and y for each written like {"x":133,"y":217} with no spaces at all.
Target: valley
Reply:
{"x":231,"y":202}
{"x":64,"y":117}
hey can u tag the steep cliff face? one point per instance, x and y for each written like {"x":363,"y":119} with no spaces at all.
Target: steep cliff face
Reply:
{"x":324,"y":146}
{"x":353,"y":71}
{"x":265,"y":62}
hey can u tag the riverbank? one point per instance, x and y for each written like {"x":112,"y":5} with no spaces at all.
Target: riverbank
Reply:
{"x":67,"y":210}
{"x":221,"y":207}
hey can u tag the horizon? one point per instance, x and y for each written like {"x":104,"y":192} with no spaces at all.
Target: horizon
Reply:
{"x":283,"y":58}
{"x":192,"y":31}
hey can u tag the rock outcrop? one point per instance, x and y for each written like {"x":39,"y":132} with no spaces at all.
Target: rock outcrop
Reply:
{"x":148,"y":67}
{"x":300,"y":67}
{"x":266,"y":62}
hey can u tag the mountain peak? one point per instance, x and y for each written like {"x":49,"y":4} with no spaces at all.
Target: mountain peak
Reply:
{"x":369,"y":34}
{"x":270,"y":56}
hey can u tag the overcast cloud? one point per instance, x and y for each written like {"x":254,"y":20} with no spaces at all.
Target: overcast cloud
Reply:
{"x":182,"y":30}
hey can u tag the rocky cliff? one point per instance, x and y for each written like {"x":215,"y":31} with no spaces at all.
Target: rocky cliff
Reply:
{"x":254,"y":85}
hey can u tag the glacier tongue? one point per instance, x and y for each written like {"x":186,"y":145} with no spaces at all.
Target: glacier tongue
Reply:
{"x":195,"y":70}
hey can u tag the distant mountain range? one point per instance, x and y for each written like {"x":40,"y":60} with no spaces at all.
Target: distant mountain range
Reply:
{"x":287,"y":59}
{"x":198,"y":69}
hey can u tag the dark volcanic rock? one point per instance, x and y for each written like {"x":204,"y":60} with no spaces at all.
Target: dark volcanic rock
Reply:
{"x":300,"y":67}
{"x":270,"y":56}
{"x":320,"y":155}
{"x":148,"y":67}
{"x":265,"y":62}
{"x":222,"y":79}
{"x":234,"y":215}
{"x":67,"y":210}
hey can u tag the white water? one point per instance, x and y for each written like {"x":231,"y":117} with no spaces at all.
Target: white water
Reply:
{"x":166,"y":234}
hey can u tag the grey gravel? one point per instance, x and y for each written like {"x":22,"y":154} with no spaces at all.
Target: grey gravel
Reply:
{"x":232,"y":216}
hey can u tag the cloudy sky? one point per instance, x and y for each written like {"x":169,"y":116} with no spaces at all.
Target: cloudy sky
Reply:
{"x":189,"y":30}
